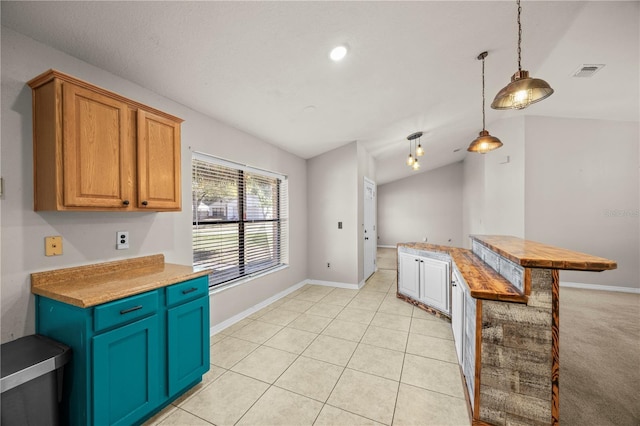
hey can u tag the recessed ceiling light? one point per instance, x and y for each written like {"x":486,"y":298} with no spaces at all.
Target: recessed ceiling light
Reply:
{"x":338,"y":53}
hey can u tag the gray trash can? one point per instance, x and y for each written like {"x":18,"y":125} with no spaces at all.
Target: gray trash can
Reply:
{"x":31,"y":384}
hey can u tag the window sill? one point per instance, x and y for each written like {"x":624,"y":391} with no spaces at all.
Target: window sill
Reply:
{"x":244,"y":280}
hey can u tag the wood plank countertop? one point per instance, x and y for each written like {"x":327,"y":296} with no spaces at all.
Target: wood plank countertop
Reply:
{"x":483,"y":281}
{"x":91,"y":285}
{"x":531,"y":254}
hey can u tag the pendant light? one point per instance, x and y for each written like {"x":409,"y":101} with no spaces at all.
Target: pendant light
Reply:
{"x":523,"y":90}
{"x":484,"y":142}
{"x":412,"y":160}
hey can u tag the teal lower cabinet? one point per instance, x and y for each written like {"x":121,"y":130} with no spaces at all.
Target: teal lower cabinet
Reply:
{"x":125,"y":373}
{"x":132,"y":356}
{"x":188,"y":352}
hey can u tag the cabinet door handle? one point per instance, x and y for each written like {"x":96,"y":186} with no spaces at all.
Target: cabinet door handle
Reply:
{"x":125,"y":202}
{"x":126,"y":311}
{"x":190,"y":290}
{"x":144,"y":203}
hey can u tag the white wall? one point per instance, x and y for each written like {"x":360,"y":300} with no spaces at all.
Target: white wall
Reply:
{"x":88,"y":237}
{"x":336,"y":194}
{"x":472,"y":198}
{"x":504,"y":181}
{"x":494,"y":185}
{"x":332,"y":198}
{"x":582,"y":192}
{"x":570,"y":183}
{"x":427,"y":204}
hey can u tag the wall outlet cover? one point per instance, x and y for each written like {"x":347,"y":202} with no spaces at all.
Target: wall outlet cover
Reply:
{"x":122,"y":240}
{"x":53,"y":246}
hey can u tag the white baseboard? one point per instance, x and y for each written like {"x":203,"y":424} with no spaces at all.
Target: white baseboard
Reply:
{"x":255,"y":308}
{"x":337,"y":284}
{"x":599,"y":287}
{"x":388,"y":247}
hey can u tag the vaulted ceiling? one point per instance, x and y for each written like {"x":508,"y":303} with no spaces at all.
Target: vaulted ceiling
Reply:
{"x":263,"y":67}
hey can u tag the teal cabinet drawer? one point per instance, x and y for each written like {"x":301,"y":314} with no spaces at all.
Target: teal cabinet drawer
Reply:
{"x":124,"y":311}
{"x":188,"y":290}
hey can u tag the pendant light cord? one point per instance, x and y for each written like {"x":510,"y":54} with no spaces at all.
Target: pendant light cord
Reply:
{"x":519,"y":36}
{"x":483,"y":93}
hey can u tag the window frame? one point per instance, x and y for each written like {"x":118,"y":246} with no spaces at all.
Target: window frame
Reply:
{"x":280,"y":220}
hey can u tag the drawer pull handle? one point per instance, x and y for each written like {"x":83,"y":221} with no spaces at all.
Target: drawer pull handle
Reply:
{"x":126,"y":311}
{"x":191,"y":290}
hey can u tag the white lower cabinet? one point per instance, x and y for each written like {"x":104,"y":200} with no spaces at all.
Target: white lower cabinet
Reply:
{"x":463,"y":323}
{"x":425,"y":280}
{"x":457,"y":314}
{"x":409,"y":280}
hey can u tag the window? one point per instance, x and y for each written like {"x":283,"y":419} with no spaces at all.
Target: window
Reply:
{"x":240,"y":219}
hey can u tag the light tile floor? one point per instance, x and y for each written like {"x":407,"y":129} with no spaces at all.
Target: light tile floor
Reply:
{"x":330,"y":356}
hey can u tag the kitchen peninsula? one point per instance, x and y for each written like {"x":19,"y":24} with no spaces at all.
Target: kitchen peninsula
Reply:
{"x":502,"y":297}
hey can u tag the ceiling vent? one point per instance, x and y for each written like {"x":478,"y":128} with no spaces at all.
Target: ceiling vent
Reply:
{"x":587,"y":70}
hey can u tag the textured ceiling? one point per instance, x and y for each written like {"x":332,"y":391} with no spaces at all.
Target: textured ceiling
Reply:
{"x":263,"y":67}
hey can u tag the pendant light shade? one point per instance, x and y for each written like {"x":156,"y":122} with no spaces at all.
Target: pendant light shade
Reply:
{"x":523,"y":90}
{"x":484,"y":142}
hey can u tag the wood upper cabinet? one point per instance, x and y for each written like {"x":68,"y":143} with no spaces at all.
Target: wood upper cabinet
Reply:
{"x":158,"y":162}
{"x":96,"y":150}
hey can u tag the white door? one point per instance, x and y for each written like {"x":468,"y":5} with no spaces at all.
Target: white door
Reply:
{"x":457,"y":315}
{"x":370,"y":238}
{"x":409,"y":279}
{"x":434,"y":284}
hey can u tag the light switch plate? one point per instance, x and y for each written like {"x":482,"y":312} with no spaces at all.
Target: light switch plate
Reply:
{"x":53,"y":246}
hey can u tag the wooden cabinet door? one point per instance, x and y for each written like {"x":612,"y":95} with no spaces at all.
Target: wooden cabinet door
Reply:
{"x":188,"y":343}
{"x":158,"y":162}
{"x":409,"y":275}
{"x":125,"y":373}
{"x":96,"y":162}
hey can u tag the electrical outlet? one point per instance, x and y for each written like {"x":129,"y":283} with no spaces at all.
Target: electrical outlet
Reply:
{"x":328,"y":265}
{"x":122,"y":240}
{"x":53,"y":246}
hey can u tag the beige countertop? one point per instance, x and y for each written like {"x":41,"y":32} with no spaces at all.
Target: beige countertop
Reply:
{"x":91,"y":285}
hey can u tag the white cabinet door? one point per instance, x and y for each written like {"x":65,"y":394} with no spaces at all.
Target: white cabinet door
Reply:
{"x":409,"y":278}
{"x":457,"y":315}
{"x":434,"y":283}
{"x":469,"y":345}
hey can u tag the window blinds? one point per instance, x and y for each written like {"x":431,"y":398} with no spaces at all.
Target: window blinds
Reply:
{"x":240,"y":219}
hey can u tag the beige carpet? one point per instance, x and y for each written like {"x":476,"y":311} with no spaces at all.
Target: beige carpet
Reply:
{"x":599,"y":358}
{"x":599,"y":354}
